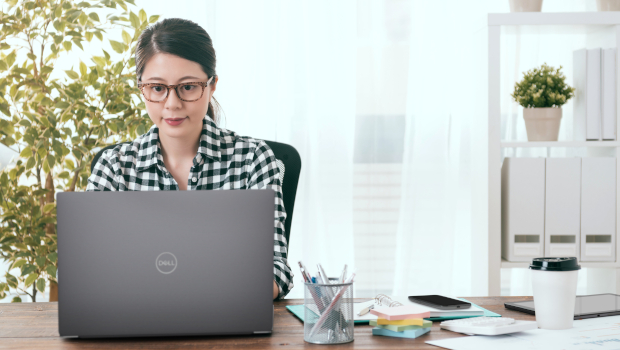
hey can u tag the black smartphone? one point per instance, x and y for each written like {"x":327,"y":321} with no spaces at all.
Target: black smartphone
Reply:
{"x":440,"y":302}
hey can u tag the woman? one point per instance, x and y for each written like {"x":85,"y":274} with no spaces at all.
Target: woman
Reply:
{"x":185,"y":149}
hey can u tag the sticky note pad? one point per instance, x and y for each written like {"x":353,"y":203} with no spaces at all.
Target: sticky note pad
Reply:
{"x":409,"y":322}
{"x":401,"y":312}
{"x":397,"y":328}
{"x":414,"y":333}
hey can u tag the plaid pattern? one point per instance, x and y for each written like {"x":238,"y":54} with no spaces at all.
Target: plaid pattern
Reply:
{"x":225,"y":161}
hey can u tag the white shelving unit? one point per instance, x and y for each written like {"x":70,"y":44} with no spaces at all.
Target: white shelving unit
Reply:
{"x":571,"y":22}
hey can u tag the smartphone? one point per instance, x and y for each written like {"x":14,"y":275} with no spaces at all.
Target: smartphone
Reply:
{"x":440,"y":302}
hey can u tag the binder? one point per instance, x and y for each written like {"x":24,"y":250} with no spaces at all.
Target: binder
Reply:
{"x":523,"y":208}
{"x":608,"y":94}
{"x":562,"y":206}
{"x":598,"y":209}
{"x":579,"y":101}
{"x":593,"y":95}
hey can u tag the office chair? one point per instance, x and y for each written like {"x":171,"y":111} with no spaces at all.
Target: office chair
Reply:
{"x":288,"y":161}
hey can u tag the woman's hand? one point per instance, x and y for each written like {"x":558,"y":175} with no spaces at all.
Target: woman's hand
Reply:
{"x":276,"y":290}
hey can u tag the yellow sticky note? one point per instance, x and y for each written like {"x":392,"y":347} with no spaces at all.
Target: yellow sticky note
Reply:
{"x":409,"y":322}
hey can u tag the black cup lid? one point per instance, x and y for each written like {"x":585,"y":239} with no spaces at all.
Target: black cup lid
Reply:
{"x":555,"y":264}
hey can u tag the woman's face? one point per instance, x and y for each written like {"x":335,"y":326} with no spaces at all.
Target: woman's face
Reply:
{"x":176,"y":118}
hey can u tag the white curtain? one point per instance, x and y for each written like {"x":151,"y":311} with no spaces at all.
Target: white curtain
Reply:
{"x":444,"y":175}
{"x":287,"y":73}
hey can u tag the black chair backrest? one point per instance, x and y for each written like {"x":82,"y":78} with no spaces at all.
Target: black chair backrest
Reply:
{"x":289,"y":163}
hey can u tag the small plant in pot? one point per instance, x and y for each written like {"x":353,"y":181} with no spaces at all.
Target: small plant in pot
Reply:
{"x":542,"y":92}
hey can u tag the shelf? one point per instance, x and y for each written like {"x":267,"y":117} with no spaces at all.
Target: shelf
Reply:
{"x":557,"y":18}
{"x":530,"y":144}
{"x":523,"y":265}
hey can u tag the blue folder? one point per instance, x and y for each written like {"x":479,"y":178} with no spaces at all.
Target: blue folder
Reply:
{"x":298,"y":310}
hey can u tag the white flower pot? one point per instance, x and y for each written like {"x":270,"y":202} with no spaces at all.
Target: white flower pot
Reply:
{"x":525,"y":5}
{"x":542,"y":124}
{"x":608,"y":5}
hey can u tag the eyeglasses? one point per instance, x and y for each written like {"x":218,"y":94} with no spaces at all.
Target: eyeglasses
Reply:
{"x":188,"y":92}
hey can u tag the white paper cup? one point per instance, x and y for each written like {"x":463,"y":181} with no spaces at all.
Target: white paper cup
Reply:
{"x":554,"y":281}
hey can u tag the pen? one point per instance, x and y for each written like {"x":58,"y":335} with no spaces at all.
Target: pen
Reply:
{"x":307,"y":271}
{"x":343,"y":275}
{"x":303,"y":272}
{"x":366,"y":310}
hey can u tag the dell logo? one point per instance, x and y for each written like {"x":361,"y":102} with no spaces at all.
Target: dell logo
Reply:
{"x":166,"y":263}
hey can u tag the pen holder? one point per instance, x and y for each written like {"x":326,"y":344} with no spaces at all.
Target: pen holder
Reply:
{"x":328,"y":313}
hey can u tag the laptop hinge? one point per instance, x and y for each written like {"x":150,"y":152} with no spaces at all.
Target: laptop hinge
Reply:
{"x":262,"y":332}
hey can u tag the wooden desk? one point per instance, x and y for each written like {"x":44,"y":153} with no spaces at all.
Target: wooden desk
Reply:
{"x":35,"y":326}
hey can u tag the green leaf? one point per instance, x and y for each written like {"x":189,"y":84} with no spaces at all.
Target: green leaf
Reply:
{"x":83,"y":69}
{"x":41,"y":260}
{"x":51,"y":270}
{"x":94,"y":16}
{"x":100,"y":61}
{"x":53,"y":257}
{"x":69,"y":163}
{"x":58,"y":11}
{"x":63,"y":104}
{"x":16,"y":300}
{"x":116,"y":46}
{"x":78,"y":43}
{"x":126,"y":37}
{"x":73,"y":75}
{"x":30,"y":163}
{"x":18,"y":263}
{"x":67,"y":45}
{"x":153,"y":19}
{"x":10,"y":59}
{"x":46,"y":69}
{"x":99,"y":36}
{"x":26,"y":152}
{"x":31,"y":56}
{"x":50,"y":160}
{"x":3,"y":66}
{"x":48,"y":207}
{"x":20,"y":246}
{"x":135,"y":21}
{"x":142,"y":15}
{"x":27,"y":269}
{"x":88,"y":36}
{"x":41,"y":285}
{"x":30,"y":279}
{"x":11,"y":280}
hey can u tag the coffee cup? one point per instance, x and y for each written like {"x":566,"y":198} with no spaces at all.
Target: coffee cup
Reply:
{"x":554,"y":281}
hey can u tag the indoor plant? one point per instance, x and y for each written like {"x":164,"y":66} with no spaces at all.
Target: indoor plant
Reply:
{"x":58,"y":123}
{"x":542,"y":92}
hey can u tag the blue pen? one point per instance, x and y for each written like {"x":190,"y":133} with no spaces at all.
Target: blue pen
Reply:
{"x":313,"y":279}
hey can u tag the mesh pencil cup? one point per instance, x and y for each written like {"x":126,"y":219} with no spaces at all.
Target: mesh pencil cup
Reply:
{"x":328,"y":313}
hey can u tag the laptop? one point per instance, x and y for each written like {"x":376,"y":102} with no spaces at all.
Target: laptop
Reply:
{"x":165,"y":263}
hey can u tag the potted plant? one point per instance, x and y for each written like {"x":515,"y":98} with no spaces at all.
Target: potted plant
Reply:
{"x":542,"y":92}
{"x":57,"y":124}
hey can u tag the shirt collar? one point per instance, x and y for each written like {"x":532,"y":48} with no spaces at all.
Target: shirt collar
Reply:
{"x":150,"y":154}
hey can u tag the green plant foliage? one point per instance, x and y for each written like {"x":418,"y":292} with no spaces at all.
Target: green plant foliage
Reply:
{"x":57,"y":125}
{"x":542,"y":87}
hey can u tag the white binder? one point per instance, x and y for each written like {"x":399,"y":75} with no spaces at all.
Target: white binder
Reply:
{"x":608,"y":94}
{"x":593,"y":95}
{"x":562,"y":207}
{"x":523,"y":208}
{"x":598,"y":209}
{"x":580,"y":64}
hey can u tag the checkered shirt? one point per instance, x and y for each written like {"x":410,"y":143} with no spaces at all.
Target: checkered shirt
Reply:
{"x":225,"y":161}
